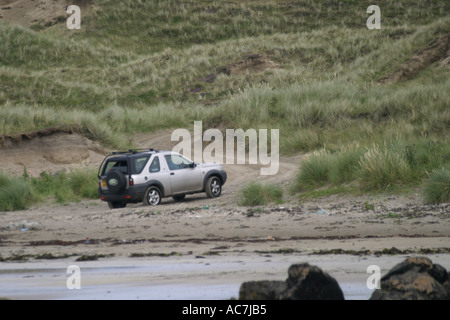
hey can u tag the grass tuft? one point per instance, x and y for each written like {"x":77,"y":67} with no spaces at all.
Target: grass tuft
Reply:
{"x":382,"y":168}
{"x":84,"y":183}
{"x":15,"y":193}
{"x":437,"y":187}
{"x":314,"y":170}
{"x":255,"y":194}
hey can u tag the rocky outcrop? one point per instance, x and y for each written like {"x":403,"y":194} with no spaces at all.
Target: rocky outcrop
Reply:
{"x":416,"y":278}
{"x":307,"y":282}
{"x":261,"y":290}
{"x":304,"y":282}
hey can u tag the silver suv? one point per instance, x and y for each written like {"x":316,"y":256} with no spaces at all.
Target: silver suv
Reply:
{"x":150,"y":175}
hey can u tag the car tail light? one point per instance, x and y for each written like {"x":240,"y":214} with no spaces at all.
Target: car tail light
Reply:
{"x":131,"y":182}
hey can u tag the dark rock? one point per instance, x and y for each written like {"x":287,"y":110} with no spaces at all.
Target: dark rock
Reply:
{"x":307,"y":282}
{"x":416,"y":278}
{"x":261,"y":290}
{"x":304,"y":282}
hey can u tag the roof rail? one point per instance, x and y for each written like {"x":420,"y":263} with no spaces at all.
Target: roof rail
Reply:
{"x":133,"y":151}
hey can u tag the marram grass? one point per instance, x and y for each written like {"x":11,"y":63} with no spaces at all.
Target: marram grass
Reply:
{"x":436,"y":189}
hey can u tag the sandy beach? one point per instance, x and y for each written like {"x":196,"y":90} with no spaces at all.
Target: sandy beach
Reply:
{"x":205,"y":248}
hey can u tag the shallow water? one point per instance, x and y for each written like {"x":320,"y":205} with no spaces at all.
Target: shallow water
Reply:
{"x":181,"y":278}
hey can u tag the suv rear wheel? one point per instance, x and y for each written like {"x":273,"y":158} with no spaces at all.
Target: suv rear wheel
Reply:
{"x":116,"y":204}
{"x":152,"y":196}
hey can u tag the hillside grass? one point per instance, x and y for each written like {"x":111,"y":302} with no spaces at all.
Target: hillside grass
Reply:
{"x":377,"y":167}
{"x":141,"y":66}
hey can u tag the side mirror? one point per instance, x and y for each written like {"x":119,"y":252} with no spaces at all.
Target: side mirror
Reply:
{"x":192,"y":165}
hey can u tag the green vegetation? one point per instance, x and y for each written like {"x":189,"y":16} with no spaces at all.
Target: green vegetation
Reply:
{"x":255,"y":194}
{"x":385,"y":251}
{"x":378,"y":168}
{"x":19,"y":193}
{"x":94,"y":257}
{"x":152,"y":254}
{"x":437,"y":187}
{"x":67,"y":186}
{"x":382,"y":167}
{"x":15,"y":193}
{"x":141,"y":66}
{"x":369,"y":206}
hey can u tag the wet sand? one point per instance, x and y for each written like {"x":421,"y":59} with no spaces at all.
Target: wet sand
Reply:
{"x":182,"y":278}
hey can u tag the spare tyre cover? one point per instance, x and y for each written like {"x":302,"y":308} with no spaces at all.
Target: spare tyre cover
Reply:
{"x":115,"y":180}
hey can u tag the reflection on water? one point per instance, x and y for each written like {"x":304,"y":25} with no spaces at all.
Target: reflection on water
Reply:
{"x":182,"y":278}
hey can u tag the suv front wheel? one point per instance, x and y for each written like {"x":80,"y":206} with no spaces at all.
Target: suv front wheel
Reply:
{"x":213,"y":187}
{"x":152,"y":196}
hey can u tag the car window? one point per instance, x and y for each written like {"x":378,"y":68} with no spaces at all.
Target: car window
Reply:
{"x":119,"y":165}
{"x":176,"y":162}
{"x":155,"y":166}
{"x":139,"y":163}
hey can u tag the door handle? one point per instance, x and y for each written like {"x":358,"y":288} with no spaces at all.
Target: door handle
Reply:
{"x":172,"y":173}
